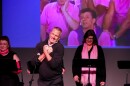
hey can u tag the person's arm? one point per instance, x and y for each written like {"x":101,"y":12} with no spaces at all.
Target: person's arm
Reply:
{"x":83,"y":4}
{"x":41,"y":57}
{"x":75,"y":66}
{"x":90,"y":4}
{"x":55,"y":60}
{"x":102,"y":66}
{"x":73,"y":39}
{"x":18,"y":64}
{"x":73,"y":23}
{"x":43,"y":32}
{"x":42,"y":4}
{"x":124,"y":26}
{"x":37,"y":59}
{"x":63,"y":67}
{"x":46,"y":53}
{"x":43,"y":23}
{"x":99,"y":9}
{"x":108,"y":16}
{"x":15,"y":57}
{"x":107,"y":21}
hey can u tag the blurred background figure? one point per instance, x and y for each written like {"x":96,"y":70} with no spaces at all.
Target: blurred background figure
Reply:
{"x":120,"y":27}
{"x":43,"y":3}
{"x":113,"y":18}
{"x":117,"y":23}
{"x":99,"y":6}
{"x":87,"y":21}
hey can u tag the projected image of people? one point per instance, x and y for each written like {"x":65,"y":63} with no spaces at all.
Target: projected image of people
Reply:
{"x":113,"y":18}
{"x":87,"y":21}
{"x":61,"y":14}
{"x":43,"y":3}
{"x":121,"y":25}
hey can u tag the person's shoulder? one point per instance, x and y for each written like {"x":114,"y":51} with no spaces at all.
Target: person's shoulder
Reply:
{"x":80,"y":46}
{"x":73,"y":32}
{"x":41,"y":43}
{"x":59,"y":44}
{"x":12,"y":52}
{"x":77,"y":30}
{"x":99,"y":47}
{"x":51,"y":4}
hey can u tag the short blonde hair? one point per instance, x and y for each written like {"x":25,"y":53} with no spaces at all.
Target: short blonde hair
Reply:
{"x":58,"y":28}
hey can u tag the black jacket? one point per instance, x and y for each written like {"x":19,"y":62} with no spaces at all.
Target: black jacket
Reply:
{"x":101,"y":69}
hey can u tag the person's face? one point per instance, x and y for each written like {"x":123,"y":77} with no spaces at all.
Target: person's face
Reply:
{"x":3,"y":45}
{"x":54,"y":36}
{"x":87,"y":21}
{"x":89,"y":40}
{"x":61,"y":2}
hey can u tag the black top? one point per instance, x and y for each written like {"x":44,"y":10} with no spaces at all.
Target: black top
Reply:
{"x":8,"y":62}
{"x":8,"y":56}
{"x":8,"y":78}
{"x":101,"y":69}
{"x":52,"y":69}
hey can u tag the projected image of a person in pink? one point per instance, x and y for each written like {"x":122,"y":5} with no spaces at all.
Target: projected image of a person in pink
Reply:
{"x":113,"y":18}
{"x":117,"y":23}
{"x":61,"y":14}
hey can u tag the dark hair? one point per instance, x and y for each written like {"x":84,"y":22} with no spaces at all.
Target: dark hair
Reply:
{"x":6,"y":39}
{"x":93,"y":13}
{"x":88,"y":33}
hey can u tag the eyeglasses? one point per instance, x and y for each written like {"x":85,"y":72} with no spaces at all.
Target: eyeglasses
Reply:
{"x":89,"y":38}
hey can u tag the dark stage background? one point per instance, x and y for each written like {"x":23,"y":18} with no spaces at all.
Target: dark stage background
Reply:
{"x":115,"y":76}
